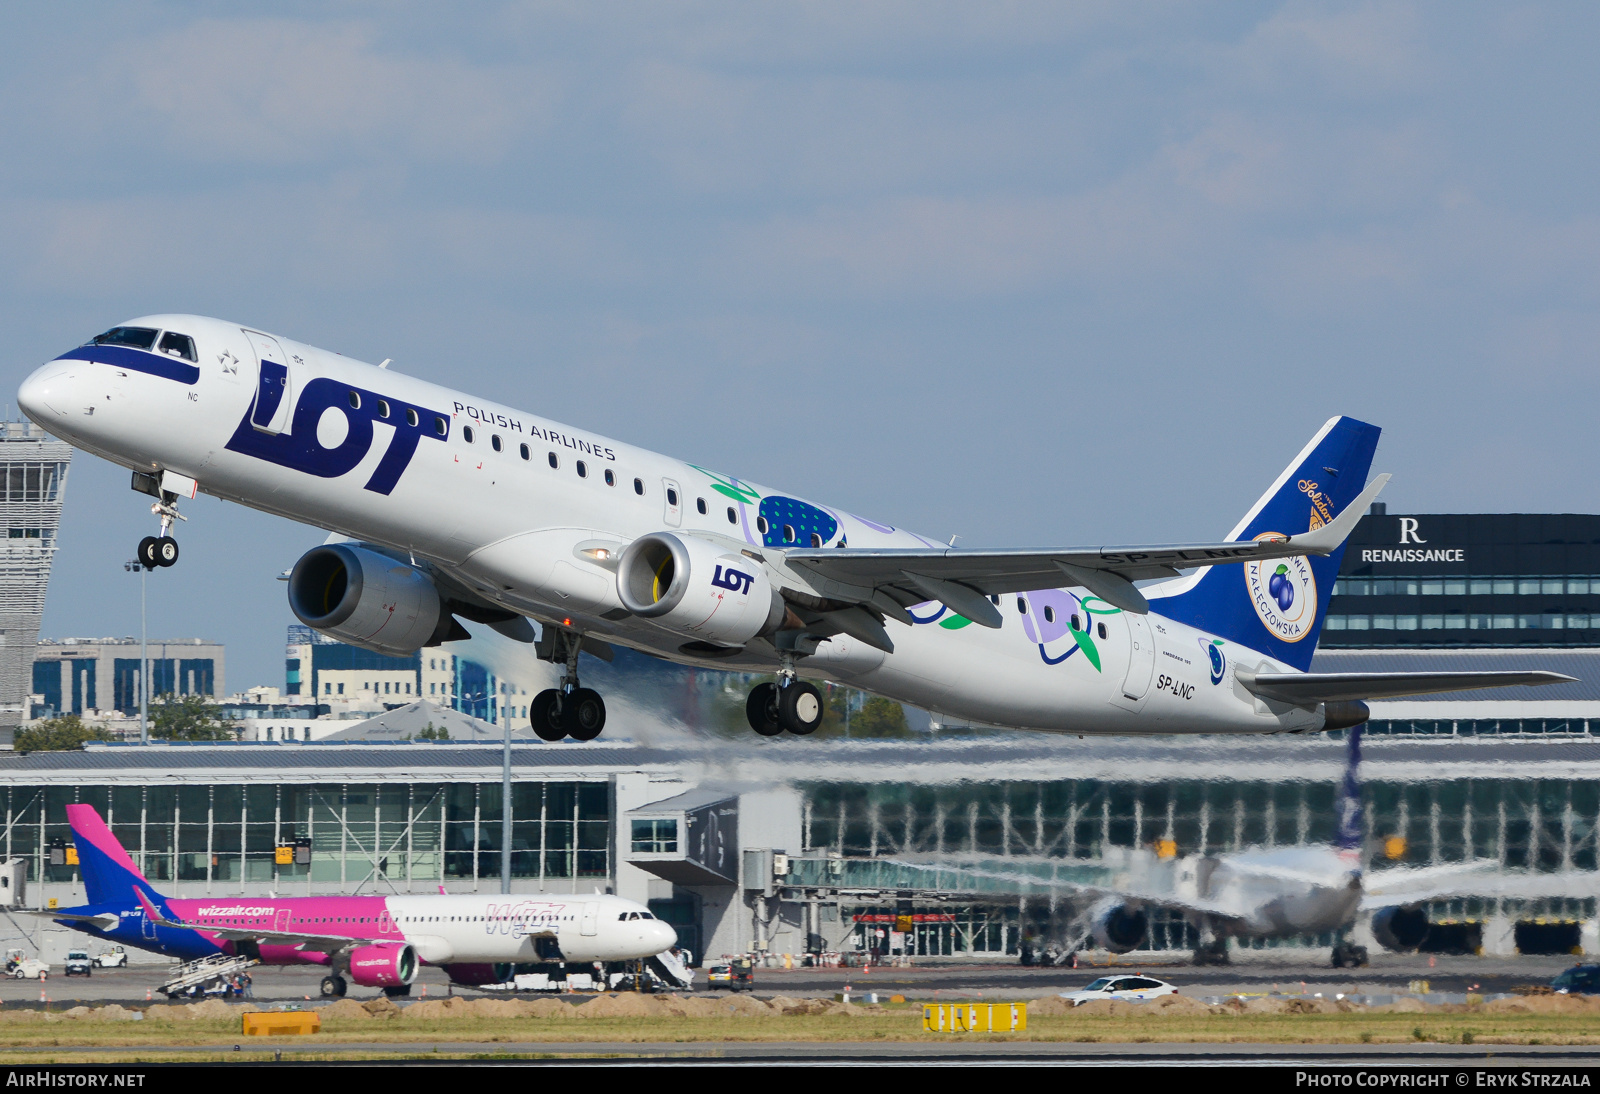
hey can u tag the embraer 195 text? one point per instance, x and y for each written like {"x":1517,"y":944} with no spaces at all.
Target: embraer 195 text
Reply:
{"x":446,"y":505}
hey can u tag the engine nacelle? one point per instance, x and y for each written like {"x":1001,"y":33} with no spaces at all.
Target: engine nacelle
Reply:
{"x":1399,"y":928}
{"x":366,"y":599}
{"x":472,"y":976}
{"x":383,"y":965}
{"x":697,"y":588}
{"x":1118,"y":927}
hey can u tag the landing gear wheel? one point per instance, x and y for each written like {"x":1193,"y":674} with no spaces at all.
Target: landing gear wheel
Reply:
{"x":762,"y":710}
{"x":333,"y":987}
{"x":800,"y":708}
{"x":147,"y":552}
{"x":166,"y":551}
{"x":584,"y":714}
{"x":546,"y":712}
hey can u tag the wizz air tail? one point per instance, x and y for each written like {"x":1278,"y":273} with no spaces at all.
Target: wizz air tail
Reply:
{"x":1276,"y":606}
{"x":109,"y":875}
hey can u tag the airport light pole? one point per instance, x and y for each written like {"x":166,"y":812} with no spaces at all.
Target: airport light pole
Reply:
{"x":505,"y":809}
{"x":144,"y":658}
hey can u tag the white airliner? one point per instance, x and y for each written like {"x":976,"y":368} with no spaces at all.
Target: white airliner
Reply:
{"x":449,"y":505}
{"x":376,"y":941}
{"x":1285,"y":892}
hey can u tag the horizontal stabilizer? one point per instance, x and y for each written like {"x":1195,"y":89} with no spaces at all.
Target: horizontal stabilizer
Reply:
{"x":1332,"y":687}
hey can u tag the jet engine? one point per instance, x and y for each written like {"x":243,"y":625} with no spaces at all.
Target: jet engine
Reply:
{"x":472,"y":976}
{"x":1399,"y":928}
{"x":697,"y":588}
{"x":383,"y":965}
{"x":1118,"y":927}
{"x":366,"y":599}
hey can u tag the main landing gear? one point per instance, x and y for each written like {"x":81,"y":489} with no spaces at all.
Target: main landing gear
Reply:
{"x":568,"y":710}
{"x":333,"y":987}
{"x":790,"y":704}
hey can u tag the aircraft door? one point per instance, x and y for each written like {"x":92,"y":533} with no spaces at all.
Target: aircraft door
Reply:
{"x":1141,"y":657}
{"x":274,"y":385}
{"x":281,"y":921}
{"x":674,"y":503}
{"x":149,"y":926}
{"x":590,"y":924}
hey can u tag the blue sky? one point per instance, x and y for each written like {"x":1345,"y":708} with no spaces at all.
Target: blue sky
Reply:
{"x":1027,"y":273}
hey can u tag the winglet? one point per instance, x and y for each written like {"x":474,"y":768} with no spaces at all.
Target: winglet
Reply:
{"x":1326,"y":540}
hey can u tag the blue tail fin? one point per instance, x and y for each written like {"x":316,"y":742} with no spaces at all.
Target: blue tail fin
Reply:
{"x":109,"y":874}
{"x":1348,"y":807}
{"x":1276,"y":607}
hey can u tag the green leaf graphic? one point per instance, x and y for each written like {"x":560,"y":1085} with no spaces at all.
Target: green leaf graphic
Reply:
{"x":954,"y":622}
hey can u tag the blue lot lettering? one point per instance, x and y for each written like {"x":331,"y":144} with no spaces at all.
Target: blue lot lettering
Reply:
{"x":300,"y":450}
{"x":730,"y":578}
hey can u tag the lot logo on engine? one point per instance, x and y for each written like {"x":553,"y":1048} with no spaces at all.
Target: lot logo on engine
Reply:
{"x":729,"y":578}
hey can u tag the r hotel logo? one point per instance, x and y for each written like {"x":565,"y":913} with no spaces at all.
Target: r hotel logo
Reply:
{"x":1410,"y":533}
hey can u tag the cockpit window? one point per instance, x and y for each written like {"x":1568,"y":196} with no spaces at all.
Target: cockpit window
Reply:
{"x":174,"y":344}
{"x":139,"y":337}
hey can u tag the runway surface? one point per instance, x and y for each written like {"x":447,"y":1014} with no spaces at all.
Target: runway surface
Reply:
{"x":857,"y":1053}
{"x":1254,"y":974}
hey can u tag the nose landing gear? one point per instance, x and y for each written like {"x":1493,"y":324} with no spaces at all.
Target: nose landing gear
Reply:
{"x":159,"y":550}
{"x":568,"y":710}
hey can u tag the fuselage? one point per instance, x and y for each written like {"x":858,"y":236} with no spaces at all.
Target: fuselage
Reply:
{"x":444,"y":930}
{"x":526,"y":512}
{"x":1285,"y":892}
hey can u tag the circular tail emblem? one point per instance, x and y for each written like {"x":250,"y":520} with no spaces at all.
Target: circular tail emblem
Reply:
{"x":1283,"y":592}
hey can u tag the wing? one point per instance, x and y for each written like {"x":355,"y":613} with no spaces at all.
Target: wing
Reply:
{"x":1306,"y":688}
{"x":105,"y":921}
{"x":1400,"y":886}
{"x":889,"y":580}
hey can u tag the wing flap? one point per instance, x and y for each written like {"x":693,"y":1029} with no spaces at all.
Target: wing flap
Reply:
{"x":1333,"y":687}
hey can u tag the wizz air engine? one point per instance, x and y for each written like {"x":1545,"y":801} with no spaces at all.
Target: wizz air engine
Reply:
{"x":366,"y":599}
{"x":1400,"y":929}
{"x":383,"y":965}
{"x":698,"y":589}
{"x":1118,"y":927}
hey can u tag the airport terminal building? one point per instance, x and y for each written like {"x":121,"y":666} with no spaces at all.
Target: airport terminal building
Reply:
{"x":953,"y":843}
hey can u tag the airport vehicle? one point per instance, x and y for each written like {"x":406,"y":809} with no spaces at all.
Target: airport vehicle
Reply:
{"x":1578,"y":980}
{"x":28,"y":968}
{"x":1123,"y":989}
{"x":114,"y":958}
{"x":376,"y":941}
{"x":743,"y":975}
{"x":719,"y":975}
{"x":78,"y":964}
{"x":445,"y":506}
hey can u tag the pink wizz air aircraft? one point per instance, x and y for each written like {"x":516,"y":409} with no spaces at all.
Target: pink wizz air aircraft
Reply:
{"x":377,"y":941}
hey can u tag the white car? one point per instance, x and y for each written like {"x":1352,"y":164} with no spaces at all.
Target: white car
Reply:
{"x":29,"y":968}
{"x":1126,"y":989}
{"x":116,"y":958}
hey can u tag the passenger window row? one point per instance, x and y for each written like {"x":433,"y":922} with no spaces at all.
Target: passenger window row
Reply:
{"x":469,"y":435}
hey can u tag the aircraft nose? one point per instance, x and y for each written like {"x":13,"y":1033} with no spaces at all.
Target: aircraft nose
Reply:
{"x":661,"y":936}
{"x":44,"y":395}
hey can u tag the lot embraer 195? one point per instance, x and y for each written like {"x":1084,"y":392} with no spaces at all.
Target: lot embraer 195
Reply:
{"x":446,"y":505}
